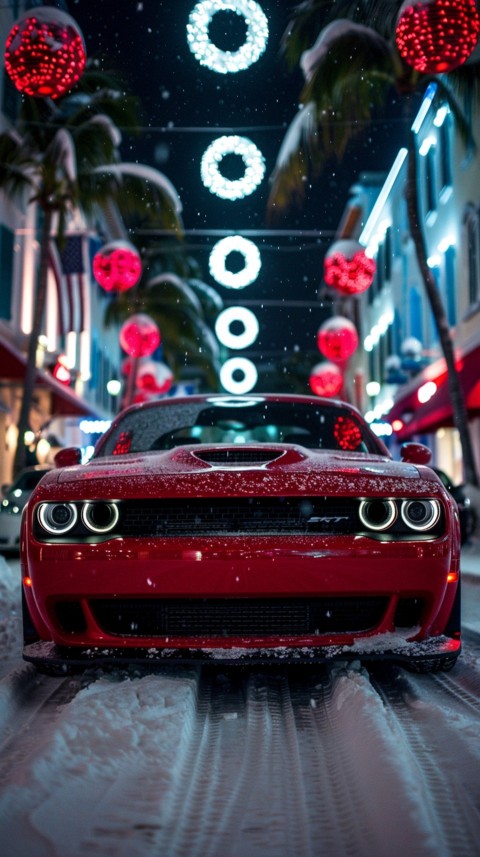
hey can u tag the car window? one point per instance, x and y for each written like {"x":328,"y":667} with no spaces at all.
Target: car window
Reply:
{"x":168,"y":426}
{"x":28,"y":480}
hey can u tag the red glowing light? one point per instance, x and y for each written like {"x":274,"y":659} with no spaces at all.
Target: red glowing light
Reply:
{"x":348,"y":269}
{"x":123,"y":444}
{"x":61,"y":372}
{"x":435,"y":36}
{"x":45,"y":53}
{"x":337,"y":339}
{"x":326,"y":379}
{"x":347,"y":433}
{"x":139,"y":336}
{"x":117,"y":266}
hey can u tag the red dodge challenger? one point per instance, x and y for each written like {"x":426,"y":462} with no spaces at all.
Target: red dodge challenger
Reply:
{"x":241,"y":529}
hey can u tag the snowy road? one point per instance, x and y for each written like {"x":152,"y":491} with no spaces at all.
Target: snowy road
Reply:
{"x":337,"y":761}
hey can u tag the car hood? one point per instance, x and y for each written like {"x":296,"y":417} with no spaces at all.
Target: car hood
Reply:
{"x":276,"y":469}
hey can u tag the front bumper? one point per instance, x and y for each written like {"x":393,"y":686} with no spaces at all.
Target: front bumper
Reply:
{"x":433,"y":653}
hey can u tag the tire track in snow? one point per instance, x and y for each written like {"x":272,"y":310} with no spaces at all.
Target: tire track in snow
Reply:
{"x":445,"y":758}
{"x":244,"y":793}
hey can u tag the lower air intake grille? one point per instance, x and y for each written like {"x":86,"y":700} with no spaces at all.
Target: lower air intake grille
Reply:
{"x":227,"y":617}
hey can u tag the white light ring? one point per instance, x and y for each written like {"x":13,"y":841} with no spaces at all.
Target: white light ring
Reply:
{"x":435,"y":505}
{"x":219,"y":255}
{"x":245,"y":317}
{"x":387,"y":523}
{"x":95,"y":529}
{"x":252,"y":158}
{"x":56,"y":531}
{"x":236,"y":364}
{"x":225,"y":62}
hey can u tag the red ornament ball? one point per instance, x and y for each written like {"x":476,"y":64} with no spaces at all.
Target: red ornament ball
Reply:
{"x":45,"y":53}
{"x":326,"y":380}
{"x":347,"y":268}
{"x":117,"y":266}
{"x":139,"y":336}
{"x":337,"y":339}
{"x":435,"y":36}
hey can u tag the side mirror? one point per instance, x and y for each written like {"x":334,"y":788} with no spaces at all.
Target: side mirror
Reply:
{"x":415,"y":453}
{"x":68,"y":457}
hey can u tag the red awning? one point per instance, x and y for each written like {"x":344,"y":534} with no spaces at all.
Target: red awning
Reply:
{"x":437,"y":412}
{"x":63,"y":399}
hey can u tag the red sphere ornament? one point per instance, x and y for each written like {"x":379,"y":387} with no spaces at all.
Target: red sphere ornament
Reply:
{"x":45,"y":53}
{"x":347,"y":268}
{"x":326,"y":380}
{"x":435,"y":36}
{"x":337,"y":339}
{"x":139,"y":336}
{"x":117,"y":266}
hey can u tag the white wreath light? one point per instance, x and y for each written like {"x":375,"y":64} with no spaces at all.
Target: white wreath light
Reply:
{"x":219,"y":255}
{"x":232,"y":188}
{"x":245,"y":384}
{"x":250,"y":327}
{"x":225,"y":62}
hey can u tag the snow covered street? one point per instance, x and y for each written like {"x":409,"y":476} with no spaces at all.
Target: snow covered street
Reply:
{"x":291,"y":762}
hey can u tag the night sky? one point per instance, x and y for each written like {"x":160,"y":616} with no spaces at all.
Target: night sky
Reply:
{"x":183,"y":108}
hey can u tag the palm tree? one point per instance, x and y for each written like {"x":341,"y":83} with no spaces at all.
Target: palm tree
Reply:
{"x":46,"y":160}
{"x":350,"y":74}
{"x":184,"y":307}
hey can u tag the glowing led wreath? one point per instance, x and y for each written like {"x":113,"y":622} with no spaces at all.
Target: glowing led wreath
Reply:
{"x":219,"y":255}
{"x":238,"y":375}
{"x":232,"y":188}
{"x":248,"y":324}
{"x":208,"y":54}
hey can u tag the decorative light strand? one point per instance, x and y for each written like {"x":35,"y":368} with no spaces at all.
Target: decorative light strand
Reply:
{"x":235,"y":279}
{"x":227,"y":62}
{"x":247,"y":320}
{"x":229,"y":375}
{"x":232,"y":188}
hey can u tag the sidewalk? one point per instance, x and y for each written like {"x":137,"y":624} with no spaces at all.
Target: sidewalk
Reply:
{"x":470,"y":561}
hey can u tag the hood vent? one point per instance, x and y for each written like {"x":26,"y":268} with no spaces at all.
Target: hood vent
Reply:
{"x":238,"y":455}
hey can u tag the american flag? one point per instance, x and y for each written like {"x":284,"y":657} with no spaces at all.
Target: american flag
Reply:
{"x":68,"y":263}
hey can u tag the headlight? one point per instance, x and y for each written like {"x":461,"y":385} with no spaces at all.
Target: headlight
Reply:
{"x":420,"y":514}
{"x":100,"y":517}
{"x":377,"y":514}
{"x":57,"y":518}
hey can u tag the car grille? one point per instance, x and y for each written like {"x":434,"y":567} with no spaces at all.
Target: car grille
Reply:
{"x":228,"y":617}
{"x":237,"y":516}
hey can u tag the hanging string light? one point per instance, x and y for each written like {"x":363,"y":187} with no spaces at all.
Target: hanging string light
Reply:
{"x":435,"y":36}
{"x":347,"y":268}
{"x":45,"y":53}
{"x":117,"y":266}
{"x":326,"y":379}
{"x":337,"y":339}
{"x":253,"y":160}
{"x":139,"y":335}
{"x":207,"y":53}
{"x":218,"y":259}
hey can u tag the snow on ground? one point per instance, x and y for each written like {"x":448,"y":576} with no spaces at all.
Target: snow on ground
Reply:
{"x":230,"y":763}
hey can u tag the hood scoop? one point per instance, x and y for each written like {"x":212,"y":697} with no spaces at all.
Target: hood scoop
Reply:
{"x":238,"y":455}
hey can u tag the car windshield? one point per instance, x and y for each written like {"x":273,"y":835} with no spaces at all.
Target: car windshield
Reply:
{"x":229,"y":422}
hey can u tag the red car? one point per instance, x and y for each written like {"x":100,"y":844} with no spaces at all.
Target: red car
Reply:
{"x":241,"y":529}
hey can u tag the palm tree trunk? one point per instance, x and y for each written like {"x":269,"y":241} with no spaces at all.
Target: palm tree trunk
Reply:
{"x":31,"y":367}
{"x":457,"y":398}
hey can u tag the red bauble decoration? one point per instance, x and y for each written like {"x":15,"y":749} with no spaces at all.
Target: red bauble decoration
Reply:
{"x":326,"y":380}
{"x":45,"y":53}
{"x":117,"y":266}
{"x":337,"y":339}
{"x":139,"y":336}
{"x":435,"y":36}
{"x":347,"y":268}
